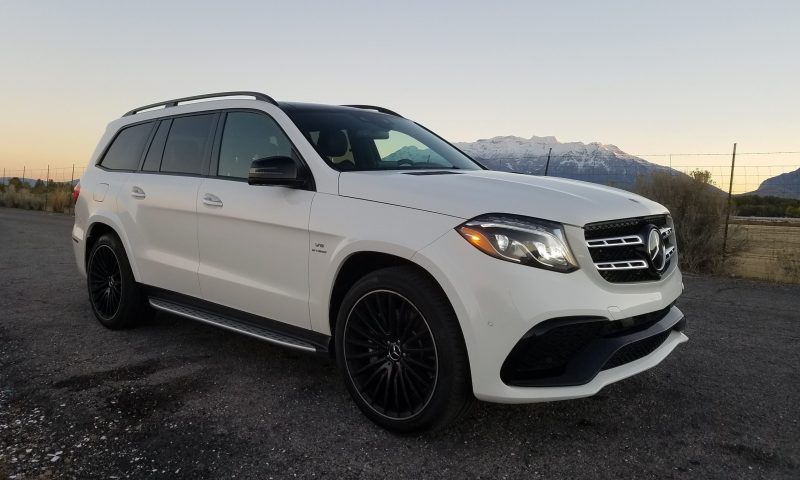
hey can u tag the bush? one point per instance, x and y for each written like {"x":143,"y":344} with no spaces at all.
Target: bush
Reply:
{"x":698,"y":211}
{"x":760,"y":206}
{"x":57,"y":200}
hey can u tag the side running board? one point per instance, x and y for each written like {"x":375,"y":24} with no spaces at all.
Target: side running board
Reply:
{"x":233,"y":324}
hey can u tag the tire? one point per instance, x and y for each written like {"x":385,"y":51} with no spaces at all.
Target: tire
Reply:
{"x":400,"y":350}
{"x":116,"y":299}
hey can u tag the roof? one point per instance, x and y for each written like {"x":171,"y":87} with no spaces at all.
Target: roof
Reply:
{"x":286,"y":106}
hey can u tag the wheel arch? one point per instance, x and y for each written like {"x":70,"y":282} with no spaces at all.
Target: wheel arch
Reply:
{"x":359,"y":264}
{"x":100,"y":226}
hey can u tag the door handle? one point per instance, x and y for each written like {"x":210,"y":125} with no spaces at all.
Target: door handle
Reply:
{"x":137,"y":192}
{"x":212,"y":200}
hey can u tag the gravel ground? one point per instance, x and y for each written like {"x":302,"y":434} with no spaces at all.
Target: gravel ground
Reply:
{"x":181,"y":400}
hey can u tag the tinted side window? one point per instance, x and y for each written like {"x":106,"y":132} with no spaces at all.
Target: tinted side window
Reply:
{"x":152,"y":161}
{"x":187,"y":143}
{"x":127,"y":148}
{"x":247,"y":137}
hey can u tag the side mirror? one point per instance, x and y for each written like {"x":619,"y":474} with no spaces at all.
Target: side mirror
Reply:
{"x":279,"y":170}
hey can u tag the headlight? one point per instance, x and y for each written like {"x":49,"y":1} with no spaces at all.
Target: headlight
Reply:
{"x":528,"y":241}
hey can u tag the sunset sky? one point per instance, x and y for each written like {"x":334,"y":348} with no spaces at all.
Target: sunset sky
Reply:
{"x":649,"y":77}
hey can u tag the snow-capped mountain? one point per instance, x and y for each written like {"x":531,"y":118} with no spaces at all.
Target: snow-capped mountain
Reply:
{"x":591,"y":162}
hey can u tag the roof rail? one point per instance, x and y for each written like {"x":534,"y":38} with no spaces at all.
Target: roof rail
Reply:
{"x":377,"y":109}
{"x":175,"y":102}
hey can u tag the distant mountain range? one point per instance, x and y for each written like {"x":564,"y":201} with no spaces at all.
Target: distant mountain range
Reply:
{"x":591,"y":162}
{"x":785,"y":185}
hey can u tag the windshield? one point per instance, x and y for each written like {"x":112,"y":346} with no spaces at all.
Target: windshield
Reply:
{"x":363,"y":140}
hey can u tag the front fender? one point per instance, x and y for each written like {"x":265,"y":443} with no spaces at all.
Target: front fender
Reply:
{"x":340,"y":227}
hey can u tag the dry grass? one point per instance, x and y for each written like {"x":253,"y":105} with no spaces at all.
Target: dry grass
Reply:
{"x":57,"y":201}
{"x":772,"y":253}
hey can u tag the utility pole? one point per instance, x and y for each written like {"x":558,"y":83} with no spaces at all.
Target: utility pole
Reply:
{"x":547,"y":165}
{"x":23,"y":174}
{"x":728,"y":210}
{"x":46,"y":187}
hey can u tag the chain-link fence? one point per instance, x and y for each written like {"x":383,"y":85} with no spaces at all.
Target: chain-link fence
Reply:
{"x":48,"y":189}
{"x":754,"y":233}
{"x":761,"y":236}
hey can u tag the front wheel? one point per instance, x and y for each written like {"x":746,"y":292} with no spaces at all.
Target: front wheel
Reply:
{"x":401,"y":352}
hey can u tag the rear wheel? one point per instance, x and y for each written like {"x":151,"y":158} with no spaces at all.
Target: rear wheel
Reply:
{"x":401,"y":352}
{"x":115,"y":297}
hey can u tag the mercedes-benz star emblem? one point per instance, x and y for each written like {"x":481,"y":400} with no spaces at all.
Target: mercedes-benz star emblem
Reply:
{"x":656,"y":252}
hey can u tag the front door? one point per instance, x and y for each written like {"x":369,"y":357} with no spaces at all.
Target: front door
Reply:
{"x":253,"y":240}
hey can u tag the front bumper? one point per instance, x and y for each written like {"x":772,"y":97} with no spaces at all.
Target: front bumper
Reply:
{"x":571,"y":351}
{"x":498,"y":303}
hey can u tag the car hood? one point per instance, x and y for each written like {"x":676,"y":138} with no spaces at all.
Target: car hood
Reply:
{"x":467,"y":194}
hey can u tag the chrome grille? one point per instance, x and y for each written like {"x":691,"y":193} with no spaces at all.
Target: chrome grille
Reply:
{"x":619,"y":248}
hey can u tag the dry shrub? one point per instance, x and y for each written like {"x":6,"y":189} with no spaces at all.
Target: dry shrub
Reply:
{"x":790,"y":262}
{"x":698,"y":210}
{"x":21,"y":198}
{"x":59,"y":201}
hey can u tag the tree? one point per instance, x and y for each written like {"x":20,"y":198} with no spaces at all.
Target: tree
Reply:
{"x":38,"y":187}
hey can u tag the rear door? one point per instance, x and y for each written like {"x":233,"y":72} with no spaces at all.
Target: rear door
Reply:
{"x":159,"y":211}
{"x":254,"y":240}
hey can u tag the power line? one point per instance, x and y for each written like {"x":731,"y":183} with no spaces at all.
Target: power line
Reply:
{"x":709,"y":154}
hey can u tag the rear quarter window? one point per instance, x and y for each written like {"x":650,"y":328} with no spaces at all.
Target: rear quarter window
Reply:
{"x":127,"y":148}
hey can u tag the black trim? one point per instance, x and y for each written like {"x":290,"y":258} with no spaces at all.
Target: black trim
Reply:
{"x":321,"y":341}
{"x":213,"y":167}
{"x":150,"y":145}
{"x":206,"y":170}
{"x":377,"y":109}
{"x":571,"y":351}
{"x":174,"y":102}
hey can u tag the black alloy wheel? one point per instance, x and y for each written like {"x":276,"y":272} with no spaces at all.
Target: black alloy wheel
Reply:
{"x":401,"y":351}
{"x":105,"y":282}
{"x":115,"y":297}
{"x":390,"y":354}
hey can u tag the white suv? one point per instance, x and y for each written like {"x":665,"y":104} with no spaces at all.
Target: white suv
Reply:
{"x":356,"y":233}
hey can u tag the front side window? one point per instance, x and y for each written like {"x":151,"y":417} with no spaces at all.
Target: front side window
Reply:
{"x":249,"y":136}
{"x":364,"y":140}
{"x":187,"y":144}
{"x":127,"y":148}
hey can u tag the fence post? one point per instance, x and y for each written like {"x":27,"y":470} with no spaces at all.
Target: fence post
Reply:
{"x":46,"y":187}
{"x":71,"y":186}
{"x":728,"y":210}
{"x":547,"y":165}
